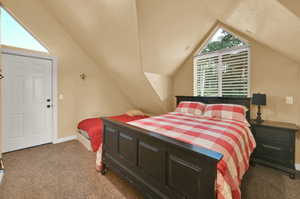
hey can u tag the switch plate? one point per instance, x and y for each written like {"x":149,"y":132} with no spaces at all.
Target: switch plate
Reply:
{"x":61,"y":96}
{"x":289,"y":100}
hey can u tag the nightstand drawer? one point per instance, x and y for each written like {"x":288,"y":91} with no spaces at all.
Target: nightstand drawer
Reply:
{"x":274,"y":153}
{"x":274,"y":136}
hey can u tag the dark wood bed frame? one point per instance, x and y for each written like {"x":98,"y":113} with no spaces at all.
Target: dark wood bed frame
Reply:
{"x":159,"y":166}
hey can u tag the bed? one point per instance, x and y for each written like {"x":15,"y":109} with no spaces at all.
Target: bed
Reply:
{"x":90,"y":132}
{"x":164,"y":166}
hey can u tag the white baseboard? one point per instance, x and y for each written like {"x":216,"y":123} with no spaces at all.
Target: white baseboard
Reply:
{"x":297,"y":166}
{"x":65,"y":139}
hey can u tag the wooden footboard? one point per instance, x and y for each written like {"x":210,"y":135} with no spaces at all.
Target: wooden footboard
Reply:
{"x":159,"y":166}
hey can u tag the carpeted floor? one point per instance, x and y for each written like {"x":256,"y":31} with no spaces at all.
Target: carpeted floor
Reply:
{"x":66,"y":171}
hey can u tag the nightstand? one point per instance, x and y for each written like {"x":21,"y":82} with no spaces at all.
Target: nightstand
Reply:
{"x":275,"y":145}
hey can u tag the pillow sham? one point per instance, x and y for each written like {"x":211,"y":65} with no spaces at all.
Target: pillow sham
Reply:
{"x":195,"y":108}
{"x":226,"y":111}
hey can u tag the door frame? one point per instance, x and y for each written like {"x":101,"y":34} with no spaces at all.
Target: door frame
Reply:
{"x":54,"y":77}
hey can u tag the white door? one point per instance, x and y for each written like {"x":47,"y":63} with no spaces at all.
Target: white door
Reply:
{"x":27,"y":114}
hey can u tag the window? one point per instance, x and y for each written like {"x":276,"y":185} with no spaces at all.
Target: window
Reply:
{"x":13,"y":34}
{"x":222,"y":67}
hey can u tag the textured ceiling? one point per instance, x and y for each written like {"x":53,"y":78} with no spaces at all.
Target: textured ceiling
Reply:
{"x":141,"y":43}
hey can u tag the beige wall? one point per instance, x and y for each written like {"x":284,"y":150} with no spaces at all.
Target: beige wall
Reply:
{"x":97,"y":95}
{"x":271,"y":73}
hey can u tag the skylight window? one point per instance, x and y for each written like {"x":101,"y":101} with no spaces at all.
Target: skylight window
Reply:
{"x":13,"y":34}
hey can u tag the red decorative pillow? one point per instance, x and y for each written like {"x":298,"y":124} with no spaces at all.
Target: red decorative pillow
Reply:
{"x":226,"y":111}
{"x":195,"y":108}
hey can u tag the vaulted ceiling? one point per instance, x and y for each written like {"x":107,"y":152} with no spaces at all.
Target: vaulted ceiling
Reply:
{"x":141,"y":43}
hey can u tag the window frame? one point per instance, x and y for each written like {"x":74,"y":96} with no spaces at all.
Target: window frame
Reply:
{"x":219,"y":53}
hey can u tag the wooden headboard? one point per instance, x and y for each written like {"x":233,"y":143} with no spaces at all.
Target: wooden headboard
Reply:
{"x":245,"y":101}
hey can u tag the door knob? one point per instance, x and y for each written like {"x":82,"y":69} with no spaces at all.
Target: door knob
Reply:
{"x":48,"y":100}
{"x":48,"y":106}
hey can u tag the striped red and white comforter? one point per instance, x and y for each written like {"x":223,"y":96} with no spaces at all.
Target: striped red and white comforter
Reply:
{"x":233,"y":139}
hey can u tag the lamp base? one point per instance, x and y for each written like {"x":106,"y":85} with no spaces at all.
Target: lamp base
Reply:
{"x":258,"y":117}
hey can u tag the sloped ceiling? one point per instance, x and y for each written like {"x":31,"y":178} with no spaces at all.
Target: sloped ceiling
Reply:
{"x":171,"y":29}
{"x":293,"y":6}
{"x":142,"y":41}
{"x":269,"y":22}
{"x":108,"y":31}
{"x":131,"y":37}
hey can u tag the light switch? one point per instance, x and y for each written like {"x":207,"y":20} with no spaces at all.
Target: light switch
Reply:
{"x":289,"y":100}
{"x":61,"y":96}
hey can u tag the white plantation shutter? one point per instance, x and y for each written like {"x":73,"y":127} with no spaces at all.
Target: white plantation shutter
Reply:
{"x":222,"y":73}
{"x":206,"y":74}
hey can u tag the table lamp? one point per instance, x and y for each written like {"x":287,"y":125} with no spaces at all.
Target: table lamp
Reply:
{"x":259,"y":100}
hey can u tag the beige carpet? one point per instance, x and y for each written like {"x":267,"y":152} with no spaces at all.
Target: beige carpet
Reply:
{"x":66,"y":171}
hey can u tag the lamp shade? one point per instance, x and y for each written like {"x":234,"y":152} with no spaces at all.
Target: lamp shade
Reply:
{"x":259,"y":99}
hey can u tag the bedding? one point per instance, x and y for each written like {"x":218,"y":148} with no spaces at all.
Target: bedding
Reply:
{"x":94,"y":129}
{"x":194,"y":108}
{"x":230,"y":137}
{"x":226,"y":111}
